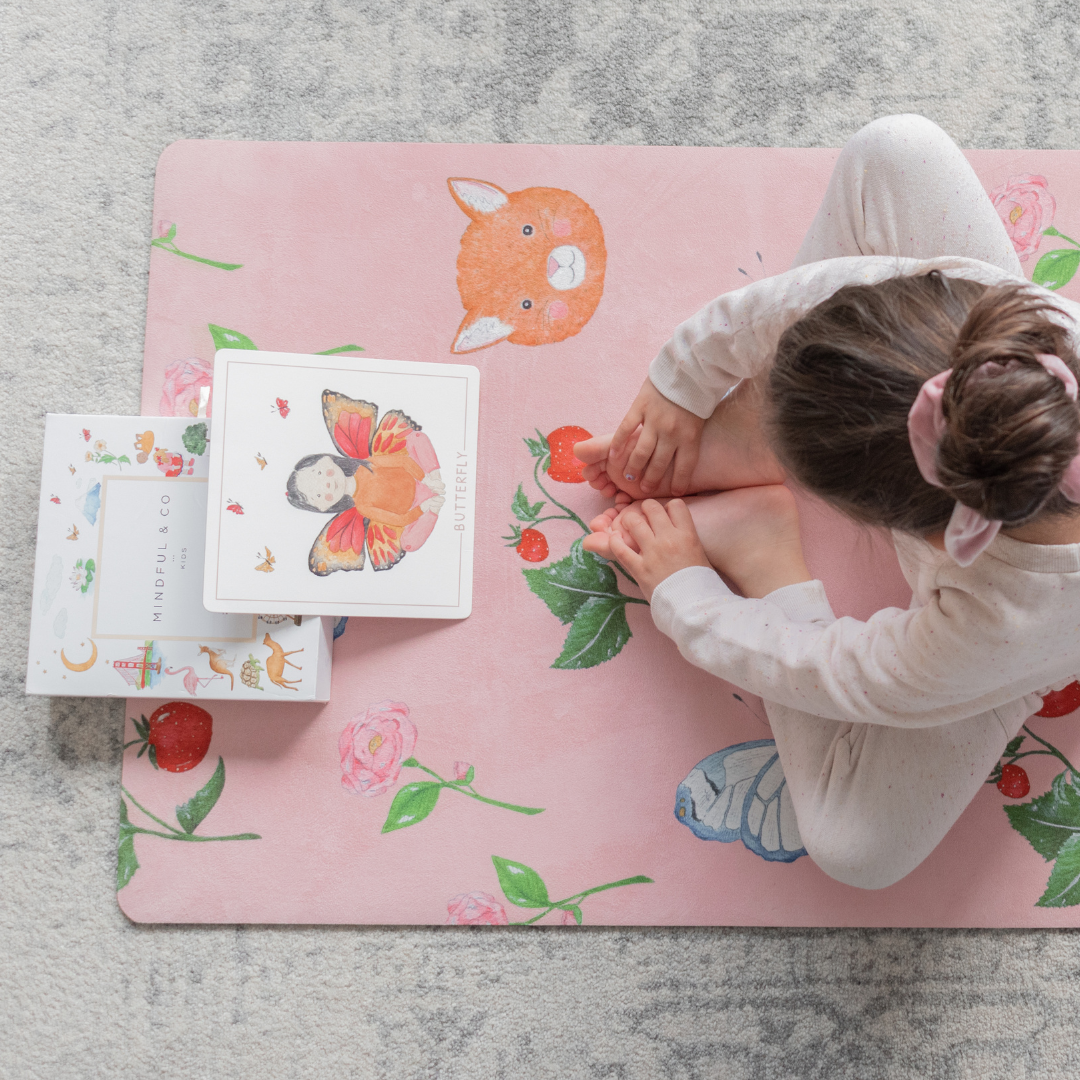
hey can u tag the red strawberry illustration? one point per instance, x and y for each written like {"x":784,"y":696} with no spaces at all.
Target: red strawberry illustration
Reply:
{"x":1061,"y":702}
{"x":177,"y":736}
{"x":533,"y":546}
{"x":564,"y":466}
{"x":1014,"y":783}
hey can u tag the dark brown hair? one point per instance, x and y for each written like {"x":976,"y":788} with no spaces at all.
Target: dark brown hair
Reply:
{"x":847,"y":374}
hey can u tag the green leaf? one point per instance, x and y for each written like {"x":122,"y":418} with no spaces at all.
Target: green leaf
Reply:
{"x":1013,"y":747}
{"x":191,"y":814}
{"x":195,"y":439}
{"x":514,"y":537}
{"x":410,"y":763}
{"x":1063,"y":888}
{"x":170,"y":234}
{"x":123,"y":459}
{"x":995,"y":774}
{"x":565,"y":586}
{"x":521,"y":885}
{"x":126,"y":862}
{"x":538,"y":447}
{"x":1049,"y":821}
{"x":230,"y":339}
{"x":1056,"y":268}
{"x":469,"y":775}
{"x":522,"y":509}
{"x":340,"y":349}
{"x":599,"y":632}
{"x":574,"y":910}
{"x":411,"y":804}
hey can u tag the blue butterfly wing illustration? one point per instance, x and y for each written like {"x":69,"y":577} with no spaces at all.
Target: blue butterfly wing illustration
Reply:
{"x":740,"y":793}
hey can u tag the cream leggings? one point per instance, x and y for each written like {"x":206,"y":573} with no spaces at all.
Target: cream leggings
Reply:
{"x":872,"y":802}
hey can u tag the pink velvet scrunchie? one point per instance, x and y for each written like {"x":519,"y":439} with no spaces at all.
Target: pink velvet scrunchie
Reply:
{"x":968,"y":533}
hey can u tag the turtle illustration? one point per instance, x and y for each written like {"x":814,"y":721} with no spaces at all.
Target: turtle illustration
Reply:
{"x":250,"y":672}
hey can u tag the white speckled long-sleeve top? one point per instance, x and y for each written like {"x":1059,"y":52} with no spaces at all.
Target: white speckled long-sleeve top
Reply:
{"x":994,"y":635}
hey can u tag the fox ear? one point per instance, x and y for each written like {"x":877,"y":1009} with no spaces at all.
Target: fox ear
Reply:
{"x":478,"y":332}
{"x":476,"y":197}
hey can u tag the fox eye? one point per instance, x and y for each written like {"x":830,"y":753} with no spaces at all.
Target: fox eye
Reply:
{"x":527,"y":230}
{"x":526,"y":304}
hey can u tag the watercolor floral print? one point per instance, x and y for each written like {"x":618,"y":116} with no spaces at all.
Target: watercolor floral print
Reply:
{"x":185,"y":380}
{"x":1027,"y":208}
{"x":377,"y":744}
{"x":581,"y":589}
{"x":165,"y":241}
{"x":523,"y":887}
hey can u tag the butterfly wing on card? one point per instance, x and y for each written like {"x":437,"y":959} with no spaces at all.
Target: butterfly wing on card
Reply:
{"x":340,"y":546}
{"x":390,"y":439}
{"x":267,"y":565}
{"x":740,"y":793}
{"x":350,"y":423}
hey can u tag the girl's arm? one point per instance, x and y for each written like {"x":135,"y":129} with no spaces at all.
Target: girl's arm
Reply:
{"x":385,"y":517}
{"x":917,"y":668}
{"x":734,"y":337}
{"x":398,"y":461}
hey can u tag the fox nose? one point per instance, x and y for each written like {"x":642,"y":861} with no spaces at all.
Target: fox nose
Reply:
{"x":566,"y":267}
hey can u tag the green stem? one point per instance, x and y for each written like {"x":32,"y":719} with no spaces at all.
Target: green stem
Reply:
{"x":340,"y":349}
{"x":153,"y":817}
{"x":453,"y":786}
{"x":169,"y":246}
{"x":1053,"y":750}
{"x":565,"y":509}
{"x":1053,"y":232}
{"x":640,"y":879}
{"x":193,"y":838}
{"x":551,"y":517}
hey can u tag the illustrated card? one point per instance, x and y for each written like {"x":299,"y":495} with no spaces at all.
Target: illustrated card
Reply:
{"x":341,"y":486}
{"x":118,"y":578}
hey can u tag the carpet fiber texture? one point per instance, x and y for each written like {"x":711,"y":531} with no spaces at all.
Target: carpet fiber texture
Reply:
{"x":92,"y":92}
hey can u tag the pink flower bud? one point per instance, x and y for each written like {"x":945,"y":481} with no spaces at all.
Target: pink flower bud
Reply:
{"x":461,"y":770}
{"x":568,"y":919}
{"x":163,"y":227}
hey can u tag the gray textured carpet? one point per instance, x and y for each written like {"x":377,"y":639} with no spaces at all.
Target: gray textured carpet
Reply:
{"x":92,"y":91}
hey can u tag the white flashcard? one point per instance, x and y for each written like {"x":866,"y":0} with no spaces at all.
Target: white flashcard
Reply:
{"x":341,"y":486}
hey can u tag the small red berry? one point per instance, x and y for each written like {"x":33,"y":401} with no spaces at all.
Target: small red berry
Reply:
{"x":1061,"y":702}
{"x":1014,"y":783}
{"x":533,"y":546}
{"x":177,"y":735}
{"x":564,"y":466}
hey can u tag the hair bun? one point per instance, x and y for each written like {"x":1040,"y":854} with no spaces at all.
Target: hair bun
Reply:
{"x":1012,"y":429}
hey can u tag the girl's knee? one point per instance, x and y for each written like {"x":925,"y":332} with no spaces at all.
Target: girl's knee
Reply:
{"x":898,"y":137}
{"x":858,"y":857}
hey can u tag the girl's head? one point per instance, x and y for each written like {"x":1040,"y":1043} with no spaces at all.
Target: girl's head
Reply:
{"x":319,"y":481}
{"x":848,"y":372}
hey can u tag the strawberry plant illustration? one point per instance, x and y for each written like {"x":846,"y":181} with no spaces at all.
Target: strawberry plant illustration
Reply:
{"x":176,"y":737}
{"x":1051,"y":821}
{"x":581,"y":590}
{"x":378,"y":743}
{"x":189,"y":816}
{"x":525,"y":888}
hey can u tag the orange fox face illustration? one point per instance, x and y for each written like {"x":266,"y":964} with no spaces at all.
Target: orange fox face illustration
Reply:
{"x":531,"y":265}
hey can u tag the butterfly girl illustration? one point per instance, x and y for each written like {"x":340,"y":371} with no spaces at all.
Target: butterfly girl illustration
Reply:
{"x":385,"y":490}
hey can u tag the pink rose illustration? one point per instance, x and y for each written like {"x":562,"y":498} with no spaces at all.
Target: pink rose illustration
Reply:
{"x":163,"y":227}
{"x":373,"y":747}
{"x":1025,"y":207}
{"x":568,"y":919}
{"x":183,"y":381}
{"x":461,"y":770}
{"x":476,"y":909}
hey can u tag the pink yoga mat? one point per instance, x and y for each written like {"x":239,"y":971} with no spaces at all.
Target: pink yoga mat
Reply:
{"x":341,"y":245}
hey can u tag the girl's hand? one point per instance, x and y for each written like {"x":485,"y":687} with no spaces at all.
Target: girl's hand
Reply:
{"x":666,"y":539}
{"x":669,"y":433}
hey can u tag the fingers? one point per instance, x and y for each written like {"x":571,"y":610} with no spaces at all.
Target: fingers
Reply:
{"x":602,"y":522}
{"x":685,"y":459}
{"x":642,"y":452}
{"x":680,"y":516}
{"x":637,"y":526}
{"x":629,"y":425}
{"x":662,"y":453}
{"x":626,"y":555}
{"x":599,"y":543}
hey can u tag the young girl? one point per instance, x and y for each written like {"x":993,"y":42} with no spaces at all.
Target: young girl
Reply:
{"x":915,"y":380}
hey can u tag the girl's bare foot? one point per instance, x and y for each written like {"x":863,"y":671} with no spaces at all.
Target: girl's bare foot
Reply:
{"x":734,"y":453}
{"x":751,"y":534}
